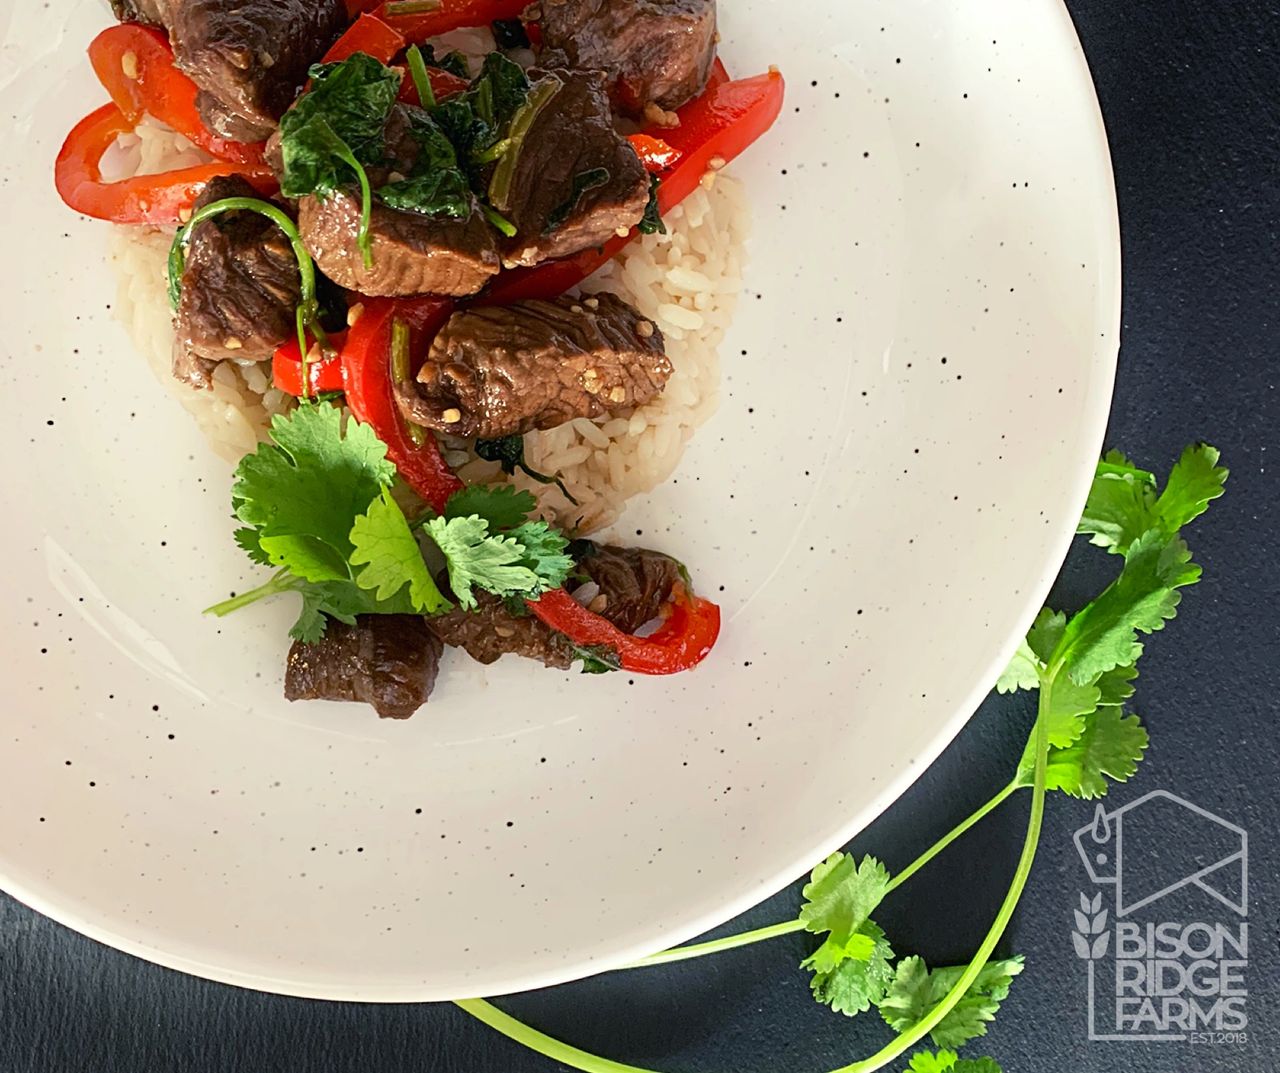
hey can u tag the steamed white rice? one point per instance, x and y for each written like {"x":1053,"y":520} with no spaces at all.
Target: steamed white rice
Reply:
{"x":686,"y":281}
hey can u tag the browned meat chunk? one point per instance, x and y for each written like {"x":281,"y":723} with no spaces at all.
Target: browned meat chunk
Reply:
{"x":152,"y":12}
{"x":250,"y":57}
{"x":657,"y":51}
{"x":576,"y":180}
{"x":505,"y":370}
{"x":388,"y":661}
{"x":239,"y":290}
{"x":634,"y":583}
{"x":412,"y":253}
{"x":492,"y":631}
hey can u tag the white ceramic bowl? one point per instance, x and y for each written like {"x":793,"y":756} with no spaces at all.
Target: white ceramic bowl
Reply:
{"x":916,"y":387}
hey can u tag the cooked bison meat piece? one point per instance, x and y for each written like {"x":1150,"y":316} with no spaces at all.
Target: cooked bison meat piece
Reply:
{"x":634,"y":583}
{"x":491,"y":631}
{"x":576,"y":181}
{"x":151,"y":12}
{"x":388,"y":661}
{"x":240,"y":288}
{"x":505,"y":370}
{"x":657,"y":51}
{"x":412,"y":252}
{"x":249,"y":57}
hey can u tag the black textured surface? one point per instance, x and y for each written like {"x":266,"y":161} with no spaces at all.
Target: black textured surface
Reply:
{"x":1191,"y":99}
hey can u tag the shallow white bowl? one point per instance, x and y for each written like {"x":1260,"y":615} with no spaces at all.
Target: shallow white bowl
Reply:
{"x":916,"y":387}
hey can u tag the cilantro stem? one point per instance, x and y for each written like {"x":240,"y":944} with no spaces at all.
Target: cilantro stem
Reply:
{"x":789,"y":927}
{"x":281,"y":581}
{"x":951,"y":836}
{"x":540,"y":1042}
{"x":715,"y":946}
{"x":909,"y":1039}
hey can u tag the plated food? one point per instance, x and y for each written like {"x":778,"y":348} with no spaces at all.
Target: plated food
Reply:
{"x":449,"y":277}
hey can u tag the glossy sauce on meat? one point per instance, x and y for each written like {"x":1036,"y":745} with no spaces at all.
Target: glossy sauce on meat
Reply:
{"x":656,"y":52}
{"x":388,"y":661}
{"x":240,"y":288}
{"x":502,"y":370}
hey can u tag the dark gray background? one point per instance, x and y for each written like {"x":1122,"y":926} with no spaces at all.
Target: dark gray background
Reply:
{"x":1191,"y":101}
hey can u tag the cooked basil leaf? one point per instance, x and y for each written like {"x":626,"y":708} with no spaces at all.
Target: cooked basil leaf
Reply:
{"x":435,"y":184}
{"x":651,"y":223}
{"x":352,"y":99}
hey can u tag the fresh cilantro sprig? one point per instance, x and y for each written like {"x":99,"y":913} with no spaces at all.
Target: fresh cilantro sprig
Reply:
{"x":1083,"y":666}
{"x":317,"y":504}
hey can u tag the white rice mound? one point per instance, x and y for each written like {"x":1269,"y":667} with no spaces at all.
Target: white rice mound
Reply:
{"x":686,"y":281}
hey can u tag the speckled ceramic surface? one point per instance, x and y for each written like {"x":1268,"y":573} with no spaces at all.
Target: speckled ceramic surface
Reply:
{"x":915,"y":389}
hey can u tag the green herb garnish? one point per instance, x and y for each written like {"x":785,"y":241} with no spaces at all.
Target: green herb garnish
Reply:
{"x":1083,"y":739}
{"x":651,"y":223}
{"x":509,"y":453}
{"x":316,"y":504}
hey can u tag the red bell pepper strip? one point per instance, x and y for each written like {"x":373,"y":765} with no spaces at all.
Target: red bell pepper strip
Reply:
{"x":683,"y":640}
{"x":715,"y":128}
{"x":160,"y":200}
{"x":322,"y":376}
{"x":448,"y":15}
{"x":135,"y":65}
{"x":444,"y":84}
{"x":366,"y":379}
{"x":370,"y":35}
{"x":655,"y":154}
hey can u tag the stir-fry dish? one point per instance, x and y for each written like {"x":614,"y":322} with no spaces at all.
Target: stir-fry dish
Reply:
{"x":447,"y":278}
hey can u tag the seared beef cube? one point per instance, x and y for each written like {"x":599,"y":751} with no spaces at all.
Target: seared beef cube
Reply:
{"x":505,"y":370}
{"x":388,"y":661}
{"x":251,"y":56}
{"x":656,"y":51}
{"x":240,"y":288}
{"x":576,"y":180}
{"x":151,"y":12}
{"x":492,"y":630}
{"x":412,"y":253}
{"x":634,"y":583}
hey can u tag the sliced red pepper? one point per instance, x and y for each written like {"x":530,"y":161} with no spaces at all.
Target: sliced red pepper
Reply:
{"x":322,"y":376}
{"x":716,"y":127}
{"x":449,"y":15}
{"x":135,"y":65}
{"x":686,"y":635}
{"x":370,"y":35}
{"x":161,"y":200}
{"x":655,"y":154}
{"x":444,"y":84}
{"x":366,"y":379}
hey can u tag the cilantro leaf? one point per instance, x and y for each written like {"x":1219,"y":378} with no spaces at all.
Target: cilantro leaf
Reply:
{"x":501,"y":505}
{"x":928,"y":1062}
{"x":391,"y":558}
{"x":1046,"y":632}
{"x":301,"y":492}
{"x":544,"y":553}
{"x":1195,"y":481}
{"x":1116,"y":685}
{"x":852,"y":985}
{"x":1110,"y":746}
{"x":248,"y":541}
{"x":492,"y":563}
{"x":1119,"y":508}
{"x":916,"y":990}
{"x":1023,"y":671}
{"x":1104,"y":635}
{"x":343,"y":600}
{"x":839,"y":898}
